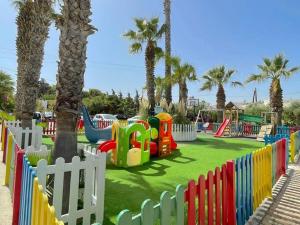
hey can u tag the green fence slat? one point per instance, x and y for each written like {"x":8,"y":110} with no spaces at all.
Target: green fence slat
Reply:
{"x":165,"y":208}
{"x":180,"y":205}
{"x":124,"y":218}
{"x":147,"y":215}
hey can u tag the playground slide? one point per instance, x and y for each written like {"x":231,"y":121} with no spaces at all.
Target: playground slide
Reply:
{"x":173,"y":144}
{"x":94,"y":134}
{"x":222,"y":127}
{"x":107,"y":145}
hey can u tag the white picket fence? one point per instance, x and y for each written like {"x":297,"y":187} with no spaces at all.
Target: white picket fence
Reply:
{"x":93,"y":197}
{"x":26,"y":137}
{"x":184,"y":132}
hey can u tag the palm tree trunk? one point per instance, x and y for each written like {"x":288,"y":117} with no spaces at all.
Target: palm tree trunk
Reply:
{"x":167,"y":12}
{"x":276,"y":101}
{"x":33,"y":28}
{"x":150,"y":65}
{"x":221,"y":99}
{"x":74,"y":31}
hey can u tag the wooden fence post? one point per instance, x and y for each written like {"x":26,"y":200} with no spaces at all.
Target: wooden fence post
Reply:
{"x":231,"y":217}
{"x":17,"y":187}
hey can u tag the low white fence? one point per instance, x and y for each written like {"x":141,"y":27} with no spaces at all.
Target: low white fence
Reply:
{"x":94,"y":186}
{"x":184,"y":132}
{"x":26,"y":137}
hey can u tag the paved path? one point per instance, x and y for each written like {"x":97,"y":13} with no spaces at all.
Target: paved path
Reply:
{"x":284,"y":207}
{"x":5,"y":199}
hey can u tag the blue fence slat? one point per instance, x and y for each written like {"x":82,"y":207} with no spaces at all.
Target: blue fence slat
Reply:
{"x":26,"y":193}
{"x":237,"y":190}
{"x":244,"y":188}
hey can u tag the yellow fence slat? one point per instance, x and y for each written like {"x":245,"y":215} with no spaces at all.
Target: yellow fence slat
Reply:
{"x":42,"y":212}
{"x":262,"y":175}
{"x":292,"y":138}
{"x":8,"y":158}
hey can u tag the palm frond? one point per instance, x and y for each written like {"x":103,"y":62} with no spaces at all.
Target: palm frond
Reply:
{"x":267,"y":62}
{"x":256,"y":77}
{"x":18,"y":4}
{"x":135,"y":47}
{"x":140,"y":23}
{"x":227,"y":75}
{"x":161,"y":31}
{"x":207,"y":86}
{"x":159,"y":54}
{"x":236,"y":84}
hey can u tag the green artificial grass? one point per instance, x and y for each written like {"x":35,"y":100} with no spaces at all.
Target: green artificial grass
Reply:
{"x":128,"y":188}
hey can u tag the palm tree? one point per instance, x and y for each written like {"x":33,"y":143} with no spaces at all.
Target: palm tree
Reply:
{"x":74,"y":26}
{"x":74,"y":31}
{"x":167,"y":12}
{"x":218,"y":77}
{"x":181,"y":73}
{"x":148,"y":32}
{"x":274,"y":69}
{"x":33,"y":22}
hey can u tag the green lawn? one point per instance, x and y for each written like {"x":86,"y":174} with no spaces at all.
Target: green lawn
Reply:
{"x":128,"y":188}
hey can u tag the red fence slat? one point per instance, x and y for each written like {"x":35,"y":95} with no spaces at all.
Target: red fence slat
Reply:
{"x":210,"y":197}
{"x":190,"y":198}
{"x":217,"y":196}
{"x":230,"y":168}
{"x":17,"y":186}
{"x":224,"y":195}
{"x":201,"y":200}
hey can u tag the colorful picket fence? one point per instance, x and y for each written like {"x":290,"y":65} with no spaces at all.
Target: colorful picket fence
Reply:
{"x":50,"y":127}
{"x":295,"y":146}
{"x":228,"y":196}
{"x":184,"y":132}
{"x":28,"y":185}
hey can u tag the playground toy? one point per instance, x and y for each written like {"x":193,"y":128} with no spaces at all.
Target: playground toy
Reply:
{"x":236,"y":122}
{"x":162,"y":124}
{"x":93,"y":134}
{"x":130,"y":145}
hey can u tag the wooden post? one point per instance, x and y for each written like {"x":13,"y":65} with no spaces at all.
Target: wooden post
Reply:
{"x":17,"y":187}
{"x":231,"y":212}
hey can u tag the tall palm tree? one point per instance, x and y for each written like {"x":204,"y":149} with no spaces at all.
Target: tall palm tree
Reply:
{"x":181,"y":73}
{"x":274,"y":69}
{"x":218,"y":77}
{"x":74,"y":31}
{"x":167,"y":12}
{"x":148,"y":32}
{"x":74,"y":26}
{"x":33,"y":22}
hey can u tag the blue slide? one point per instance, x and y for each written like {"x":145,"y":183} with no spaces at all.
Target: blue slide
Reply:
{"x":94,"y":134}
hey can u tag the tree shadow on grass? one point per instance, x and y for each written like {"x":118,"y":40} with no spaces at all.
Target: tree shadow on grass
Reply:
{"x":120,"y":196}
{"x":157,"y":164}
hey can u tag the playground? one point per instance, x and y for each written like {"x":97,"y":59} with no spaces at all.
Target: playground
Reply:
{"x":127,"y":188}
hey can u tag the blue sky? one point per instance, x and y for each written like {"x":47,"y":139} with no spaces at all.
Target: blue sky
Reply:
{"x":205,"y":33}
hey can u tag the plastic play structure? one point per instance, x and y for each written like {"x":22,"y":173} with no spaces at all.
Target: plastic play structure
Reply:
{"x":129,"y":145}
{"x":235,"y":120}
{"x":162,"y":124}
{"x":94,"y":134}
{"x":134,"y":144}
